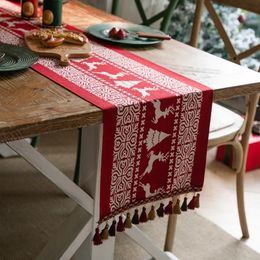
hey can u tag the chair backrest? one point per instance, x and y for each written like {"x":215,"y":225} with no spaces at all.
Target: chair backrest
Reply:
{"x":248,"y":5}
{"x":165,"y":14}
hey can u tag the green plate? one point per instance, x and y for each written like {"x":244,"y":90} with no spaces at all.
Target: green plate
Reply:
{"x":16,"y":57}
{"x":101,"y":31}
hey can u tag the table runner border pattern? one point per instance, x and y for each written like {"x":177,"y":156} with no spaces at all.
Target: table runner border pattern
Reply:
{"x":165,"y":75}
{"x":159,"y":196}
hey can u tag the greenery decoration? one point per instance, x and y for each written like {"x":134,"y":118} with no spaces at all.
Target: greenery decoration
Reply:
{"x":242,"y":27}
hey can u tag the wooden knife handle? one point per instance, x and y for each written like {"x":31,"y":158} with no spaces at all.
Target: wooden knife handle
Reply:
{"x":154,"y":35}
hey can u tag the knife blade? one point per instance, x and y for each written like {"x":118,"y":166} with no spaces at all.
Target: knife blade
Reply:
{"x":153,"y":35}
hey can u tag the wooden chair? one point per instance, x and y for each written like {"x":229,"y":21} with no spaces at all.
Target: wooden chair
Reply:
{"x":233,"y":130}
{"x":249,"y":5}
{"x":165,"y":15}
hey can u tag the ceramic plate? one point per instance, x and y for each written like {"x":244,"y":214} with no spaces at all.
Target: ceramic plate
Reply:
{"x":16,"y":57}
{"x":101,"y":31}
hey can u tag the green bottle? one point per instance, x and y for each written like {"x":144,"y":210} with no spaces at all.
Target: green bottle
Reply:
{"x":52,"y":13}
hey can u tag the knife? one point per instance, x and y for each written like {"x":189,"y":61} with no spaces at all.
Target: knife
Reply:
{"x":152,"y":35}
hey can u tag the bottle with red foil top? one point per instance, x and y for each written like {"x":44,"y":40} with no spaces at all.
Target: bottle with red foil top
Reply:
{"x":52,"y":13}
{"x":29,"y":8}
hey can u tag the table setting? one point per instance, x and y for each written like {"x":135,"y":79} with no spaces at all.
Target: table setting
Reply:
{"x":145,"y":126}
{"x":14,"y":58}
{"x":155,"y":121}
{"x":127,"y":34}
{"x":49,"y":20}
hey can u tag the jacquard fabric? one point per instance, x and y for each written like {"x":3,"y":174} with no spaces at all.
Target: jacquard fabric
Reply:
{"x":156,"y":122}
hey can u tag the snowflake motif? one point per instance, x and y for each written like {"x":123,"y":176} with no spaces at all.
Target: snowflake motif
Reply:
{"x":10,"y":38}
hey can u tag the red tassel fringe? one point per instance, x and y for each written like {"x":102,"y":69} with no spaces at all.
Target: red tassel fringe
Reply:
{"x":168,"y":209}
{"x":120,"y":225}
{"x":160,"y":210}
{"x":191,"y":205}
{"x":97,"y":238}
{"x":135,"y":219}
{"x":112,"y":230}
{"x":144,"y":217}
{"x":184,"y":206}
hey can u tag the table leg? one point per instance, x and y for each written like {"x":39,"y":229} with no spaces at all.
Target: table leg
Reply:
{"x":74,"y":241}
{"x":143,"y":240}
{"x":72,"y":233}
{"x":33,"y":157}
{"x":79,"y":225}
{"x":89,"y":180}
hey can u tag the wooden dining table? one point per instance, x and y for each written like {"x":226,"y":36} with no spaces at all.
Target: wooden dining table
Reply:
{"x":32,"y":105}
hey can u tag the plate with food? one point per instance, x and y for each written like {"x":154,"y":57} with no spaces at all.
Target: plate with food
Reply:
{"x":60,"y":43}
{"x":14,"y":58}
{"x":125,"y":33}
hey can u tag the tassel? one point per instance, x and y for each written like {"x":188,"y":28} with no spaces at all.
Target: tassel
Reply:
{"x":104,"y":232}
{"x":184,"y":205}
{"x":197,"y":201}
{"x":143,"y":217}
{"x":128,"y":223}
{"x":120,"y":225}
{"x":97,"y":238}
{"x":135,"y":219}
{"x":151,"y":214}
{"x":176,"y":208}
{"x":112,"y":230}
{"x":191,"y":205}
{"x":160,"y":210}
{"x":168,"y":209}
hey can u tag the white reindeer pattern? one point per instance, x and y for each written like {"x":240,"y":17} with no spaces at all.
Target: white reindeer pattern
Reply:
{"x":147,"y":189}
{"x":159,"y":113}
{"x":110,"y":75}
{"x":143,"y":91}
{"x":153,"y":157}
{"x":93,"y":65}
{"x":13,"y":23}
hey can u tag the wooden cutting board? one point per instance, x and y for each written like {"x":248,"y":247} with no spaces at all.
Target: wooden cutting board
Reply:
{"x":63,"y":52}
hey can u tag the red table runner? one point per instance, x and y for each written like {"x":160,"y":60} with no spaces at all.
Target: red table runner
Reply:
{"x":156,"y":122}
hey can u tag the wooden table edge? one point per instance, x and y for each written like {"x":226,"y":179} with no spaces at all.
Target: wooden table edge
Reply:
{"x":84,"y":119}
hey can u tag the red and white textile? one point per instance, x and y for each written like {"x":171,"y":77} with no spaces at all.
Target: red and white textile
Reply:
{"x":155,"y":121}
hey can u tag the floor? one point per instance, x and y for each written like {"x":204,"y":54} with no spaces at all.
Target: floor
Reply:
{"x":218,"y":200}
